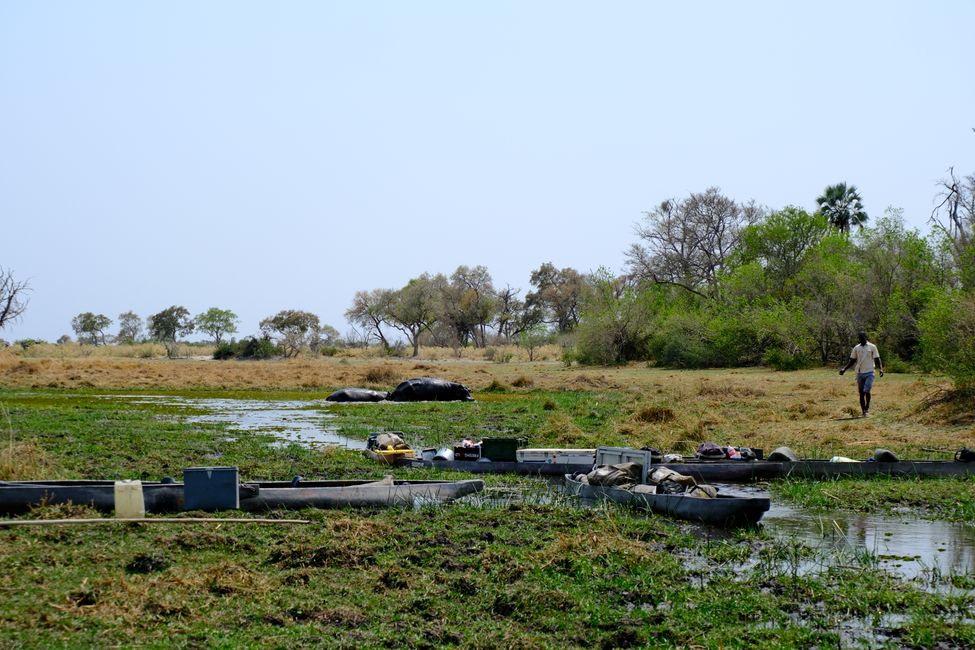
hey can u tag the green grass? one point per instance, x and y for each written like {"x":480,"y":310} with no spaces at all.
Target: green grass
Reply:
{"x":541,"y":573}
{"x":468,"y":577}
{"x":951,"y":499}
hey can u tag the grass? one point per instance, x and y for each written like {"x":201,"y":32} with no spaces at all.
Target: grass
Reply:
{"x":458,"y":577}
{"x":950,"y":499}
{"x":534,"y":573}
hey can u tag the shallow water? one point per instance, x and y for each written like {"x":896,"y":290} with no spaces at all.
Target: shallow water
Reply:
{"x":906,"y":546}
{"x":289,"y":421}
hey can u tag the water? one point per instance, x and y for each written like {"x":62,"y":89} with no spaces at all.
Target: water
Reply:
{"x":288,"y":421}
{"x":909,"y":547}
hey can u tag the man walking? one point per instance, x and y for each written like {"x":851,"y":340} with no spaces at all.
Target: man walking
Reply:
{"x":864,"y":356}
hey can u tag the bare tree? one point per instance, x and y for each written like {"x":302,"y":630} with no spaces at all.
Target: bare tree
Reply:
{"x":688,"y":242}
{"x":370,"y":311}
{"x":954,"y":218}
{"x":13,"y":297}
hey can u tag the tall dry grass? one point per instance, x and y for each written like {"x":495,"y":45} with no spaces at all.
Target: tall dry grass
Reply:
{"x":669,"y":409}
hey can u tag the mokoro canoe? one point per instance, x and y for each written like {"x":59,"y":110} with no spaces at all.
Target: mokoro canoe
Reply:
{"x":17,"y":497}
{"x":500,"y":467}
{"x":739,"y":471}
{"x":720,"y":511}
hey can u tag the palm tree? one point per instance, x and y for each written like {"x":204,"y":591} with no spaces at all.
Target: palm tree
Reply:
{"x":842,"y":206}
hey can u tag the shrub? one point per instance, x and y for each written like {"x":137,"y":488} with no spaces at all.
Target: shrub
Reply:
{"x":782,"y":360}
{"x":252,"y":347}
{"x":381,"y":375}
{"x":495,"y":387}
{"x":225,"y":351}
{"x":523,"y":382}
{"x":948,"y":337}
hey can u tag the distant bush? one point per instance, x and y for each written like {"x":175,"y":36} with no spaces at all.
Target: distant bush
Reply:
{"x":381,"y":375}
{"x":247,"y":348}
{"x":226,"y":350}
{"x":782,"y":360}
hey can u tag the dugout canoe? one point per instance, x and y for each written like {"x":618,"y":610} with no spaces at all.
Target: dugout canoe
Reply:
{"x":18,"y":497}
{"x":726,"y":511}
{"x":736,"y":471}
{"x":500,"y":467}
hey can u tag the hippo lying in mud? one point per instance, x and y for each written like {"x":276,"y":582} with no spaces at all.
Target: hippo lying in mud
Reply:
{"x":430,"y":390}
{"x":357,"y":395}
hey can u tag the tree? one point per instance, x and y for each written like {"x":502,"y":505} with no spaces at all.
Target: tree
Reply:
{"x":901,"y":274}
{"x":954,"y":220}
{"x":217,"y":322}
{"x":296,"y":330}
{"x":469,"y":304}
{"x":617,"y":321}
{"x":90,"y":328}
{"x":513,"y":317}
{"x":129,"y":327}
{"x":370,"y":311}
{"x":688,"y":242}
{"x":13,"y":297}
{"x":414,"y":308}
{"x":557,"y":296}
{"x":168,"y":324}
{"x":842,"y":206}
{"x":780,"y":243}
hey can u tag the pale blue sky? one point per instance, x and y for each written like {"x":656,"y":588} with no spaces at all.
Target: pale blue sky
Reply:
{"x":259,"y":156}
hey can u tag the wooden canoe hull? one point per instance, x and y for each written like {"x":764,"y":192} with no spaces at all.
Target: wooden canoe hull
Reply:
{"x":732,"y":471}
{"x":721,"y":511}
{"x":18,"y":497}
{"x":502,"y":467}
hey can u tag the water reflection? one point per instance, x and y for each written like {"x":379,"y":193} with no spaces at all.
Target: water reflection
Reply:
{"x":908,"y":547}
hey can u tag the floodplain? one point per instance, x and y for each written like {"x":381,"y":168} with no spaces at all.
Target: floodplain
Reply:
{"x":519,"y":565}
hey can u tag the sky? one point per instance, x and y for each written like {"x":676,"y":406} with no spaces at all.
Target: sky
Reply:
{"x":261,"y":156}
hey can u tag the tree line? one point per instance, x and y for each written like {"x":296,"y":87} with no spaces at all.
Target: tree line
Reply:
{"x":709,"y":281}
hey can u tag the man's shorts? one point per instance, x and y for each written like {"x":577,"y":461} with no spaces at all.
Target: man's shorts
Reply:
{"x":865,"y":381}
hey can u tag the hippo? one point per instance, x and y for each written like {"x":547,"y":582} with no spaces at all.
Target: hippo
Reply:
{"x":357,"y":395}
{"x":430,"y":390}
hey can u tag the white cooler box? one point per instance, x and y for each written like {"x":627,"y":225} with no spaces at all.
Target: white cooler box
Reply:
{"x":566,"y":456}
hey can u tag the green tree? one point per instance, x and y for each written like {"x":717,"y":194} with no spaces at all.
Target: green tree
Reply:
{"x":831,"y":284}
{"x":129,"y":327}
{"x":947,"y":329}
{"x":414,"y":308}
{"x":90,"y":328}
{"x":216,"y":322}
{"x":779,"y":245}
{"x":617,"y":319}
{"x":469,"y":304}
{"x":900,"y":274}
{"x":168,"y":324}
{"x":295,"y":329}
{"x":557,"y":297}
{"x":842,"y":206}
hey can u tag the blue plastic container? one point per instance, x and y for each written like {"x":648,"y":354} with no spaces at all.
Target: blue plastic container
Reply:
{"x":211,"y":488}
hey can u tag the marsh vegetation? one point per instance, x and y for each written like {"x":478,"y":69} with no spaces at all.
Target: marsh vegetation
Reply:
{"x":491,"y":573}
